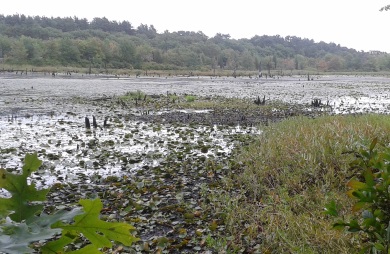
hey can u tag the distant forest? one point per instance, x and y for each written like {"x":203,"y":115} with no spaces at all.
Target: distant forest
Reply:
{"x":105,"y":44}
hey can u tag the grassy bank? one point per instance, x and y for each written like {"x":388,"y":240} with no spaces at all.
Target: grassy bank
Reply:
{"x":275,"y":204}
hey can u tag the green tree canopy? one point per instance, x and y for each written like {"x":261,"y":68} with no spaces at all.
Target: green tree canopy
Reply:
{"x":74,"y":41}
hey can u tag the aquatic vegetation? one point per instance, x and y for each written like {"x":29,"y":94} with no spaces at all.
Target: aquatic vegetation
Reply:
{"x":125,"y":147}
{"x":190,"y":98}
{"x":147,"y":174}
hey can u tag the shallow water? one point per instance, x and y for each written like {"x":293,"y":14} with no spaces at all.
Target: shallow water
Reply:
{"x":71,"y":153}
{"x":36,"y":116}
{"x":23,"y":94}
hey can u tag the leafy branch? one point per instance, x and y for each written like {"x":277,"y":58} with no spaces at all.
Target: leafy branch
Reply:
{"x":98,"y":232}
{"x":371,"y":190}
{"x":21,"y":205}
{"x":23,"y":222}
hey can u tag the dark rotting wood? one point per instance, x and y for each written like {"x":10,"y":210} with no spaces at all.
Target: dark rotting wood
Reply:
{"x":94,"y":122}
{"x":87,"y":123}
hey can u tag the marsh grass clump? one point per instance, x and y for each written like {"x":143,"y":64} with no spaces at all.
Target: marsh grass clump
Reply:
{"x":173,"y":97}
{"x":190,"y":98}
{"x":131,"y":95}
{"x":227,"y":103}
{"x":288,"y":175}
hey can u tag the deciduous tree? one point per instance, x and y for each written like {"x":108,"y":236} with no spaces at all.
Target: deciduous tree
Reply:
{"x":69,"y":52}
{"x":18,"y":52}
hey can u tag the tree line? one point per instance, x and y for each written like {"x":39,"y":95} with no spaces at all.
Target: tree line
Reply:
{"x":101,"y":43}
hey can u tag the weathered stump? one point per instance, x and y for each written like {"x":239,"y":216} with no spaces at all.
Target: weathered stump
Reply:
{"x":87,"y":123}
{"x":94,"y":122}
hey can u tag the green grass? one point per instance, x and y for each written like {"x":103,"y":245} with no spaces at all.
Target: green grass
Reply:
{"x":190,"y":98}
{"x":287,"y":175}
{"x":137,"y":95}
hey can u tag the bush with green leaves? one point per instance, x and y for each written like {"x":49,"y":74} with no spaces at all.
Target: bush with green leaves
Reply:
{"x":23,"y":222}
{"x":370,"y":187}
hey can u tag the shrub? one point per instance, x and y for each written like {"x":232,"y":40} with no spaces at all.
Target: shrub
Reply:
{"x":370,"y":189}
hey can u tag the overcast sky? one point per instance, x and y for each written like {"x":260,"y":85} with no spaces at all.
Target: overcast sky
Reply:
{"x":354,"y":24}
